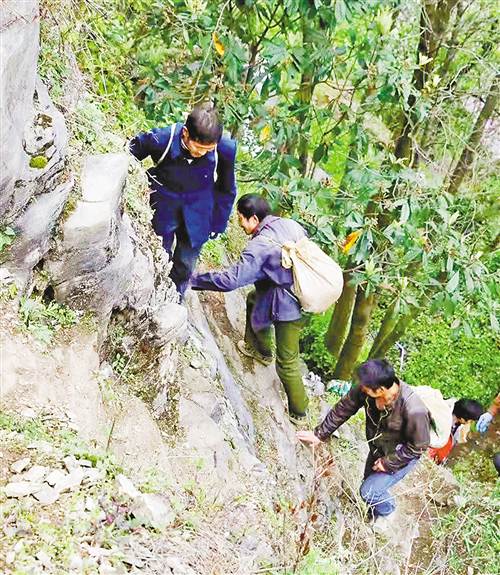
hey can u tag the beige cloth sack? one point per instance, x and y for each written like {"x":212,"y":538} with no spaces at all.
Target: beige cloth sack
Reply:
{"x":441,"y":414}
{"x":317,"y":279}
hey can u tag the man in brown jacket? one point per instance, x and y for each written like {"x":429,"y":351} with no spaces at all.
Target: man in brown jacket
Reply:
{"x":397,"y":430}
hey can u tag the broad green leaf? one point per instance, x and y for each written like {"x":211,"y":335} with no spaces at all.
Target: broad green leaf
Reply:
{"x":452,"y":285}
{"x":405,"y":212}
{"x":469,"y":282}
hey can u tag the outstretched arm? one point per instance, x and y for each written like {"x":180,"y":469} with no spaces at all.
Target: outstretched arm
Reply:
{"x":146,"y":144}
{"x":247,"y":271}
{"x":339,"y":414}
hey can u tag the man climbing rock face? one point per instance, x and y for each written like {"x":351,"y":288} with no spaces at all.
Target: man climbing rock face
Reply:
{"x":272,"y":302}
{"x":193,"y":185}
{"x":397,"y":430}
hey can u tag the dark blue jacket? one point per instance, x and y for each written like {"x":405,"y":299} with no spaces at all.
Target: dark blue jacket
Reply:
{"x":186,"y":189}
{"x":260,"y":263}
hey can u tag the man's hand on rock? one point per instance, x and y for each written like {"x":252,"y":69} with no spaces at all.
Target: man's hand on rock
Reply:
{"x":379,"y":466}
{"x":308,"y":438}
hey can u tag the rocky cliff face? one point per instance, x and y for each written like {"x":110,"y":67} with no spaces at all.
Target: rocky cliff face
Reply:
{"x":33,"y":185}
{"x":92,"y":256}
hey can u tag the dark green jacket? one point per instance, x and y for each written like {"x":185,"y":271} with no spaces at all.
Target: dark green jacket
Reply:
{"x":397,"y":435}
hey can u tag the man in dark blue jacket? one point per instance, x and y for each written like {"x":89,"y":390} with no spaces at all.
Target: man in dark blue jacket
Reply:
{"x":193,"y":185}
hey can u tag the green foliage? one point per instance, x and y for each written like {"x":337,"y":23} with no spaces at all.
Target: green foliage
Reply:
{"x":474,"y":463}
{"x":32,"y":429}
{"x":315,"y":564}
{"x":213,"y":253}
{"x":7,"y":236}
{"x":38,"y":162}
{"x":43,"y":320}
{"x":312,"y":345}
{"x":458,"y":365}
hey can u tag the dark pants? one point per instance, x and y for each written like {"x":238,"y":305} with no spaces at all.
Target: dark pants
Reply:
{"x":287,"y":334}
{"x":375,"y":488}
{"x":184,"y":255}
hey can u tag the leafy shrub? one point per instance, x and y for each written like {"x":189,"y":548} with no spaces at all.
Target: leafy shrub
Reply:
{"x":459,"y":366}
{"x":312,"y":345}
{"x":43,"y":320}
{"x":7,"y":236}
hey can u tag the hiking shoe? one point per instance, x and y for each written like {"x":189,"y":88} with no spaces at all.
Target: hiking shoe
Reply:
{"x":298,"y":420}
{"x":382,"y":524}
{"x":251,"y":352}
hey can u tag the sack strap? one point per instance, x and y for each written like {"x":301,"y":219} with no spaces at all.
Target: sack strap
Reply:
{"x":280,"y":245}
{"x":169,"y":145}
{"x":216,"y":156}
{"x":166,"y":150}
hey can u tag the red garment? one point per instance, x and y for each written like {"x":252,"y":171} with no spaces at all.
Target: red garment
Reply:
{"x":440,"y":454}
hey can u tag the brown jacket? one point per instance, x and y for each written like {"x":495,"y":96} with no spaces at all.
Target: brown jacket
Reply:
{"x":495,"y":406}
{"x":397,"y":435}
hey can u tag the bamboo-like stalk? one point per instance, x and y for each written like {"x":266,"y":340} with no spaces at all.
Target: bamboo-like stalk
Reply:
{"x":363,"y":308}
{"x":397,"y":333}
{"x":337,"y":330}
{"x":386,"y":327}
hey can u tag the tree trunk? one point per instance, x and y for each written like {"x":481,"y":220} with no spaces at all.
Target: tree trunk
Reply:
{"x":305,"y":94}
{"x":386,"y":327}
{"x":337,"y":330}
{"x":464,"y":164}
{"x":357,"y":334}
{"x":397,"y":333}
{"x":434,"y":21}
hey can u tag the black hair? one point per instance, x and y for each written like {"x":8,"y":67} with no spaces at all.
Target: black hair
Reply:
{"x":253,"y":205}
{"x":203,"y":124}
{"x":468,"y":409}
{"x":376,"y":373}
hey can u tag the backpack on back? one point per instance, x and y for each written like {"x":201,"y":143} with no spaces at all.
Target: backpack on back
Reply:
{"x":441,"y":414}
{"x":317,"y":279}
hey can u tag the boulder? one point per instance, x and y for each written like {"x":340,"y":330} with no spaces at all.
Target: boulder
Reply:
{"x":19,"y":25}
{"x":20,"y":465}
{"x":70,"y":481}
{"x":34,"y":230}
{"x":168,"y":323}
{"x":21,"y":488}
{"x":98,"y":263}
{"x":55,"y":476}
{"x":35,"y":473}
{"x":126,"y":487}
{"x":47,"y":495}
{"x":152,"y":510}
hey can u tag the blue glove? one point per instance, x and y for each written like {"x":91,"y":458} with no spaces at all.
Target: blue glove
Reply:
{"x":484,"y":422}
{"x":213,"y":235}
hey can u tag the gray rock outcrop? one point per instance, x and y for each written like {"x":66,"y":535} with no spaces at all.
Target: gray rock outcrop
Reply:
{"x":19,"y":25}
{"x":97,"y":257}
{"x":33,"y":142}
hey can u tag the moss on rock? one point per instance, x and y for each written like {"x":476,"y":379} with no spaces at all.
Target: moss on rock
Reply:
{"x":38,"y":162}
